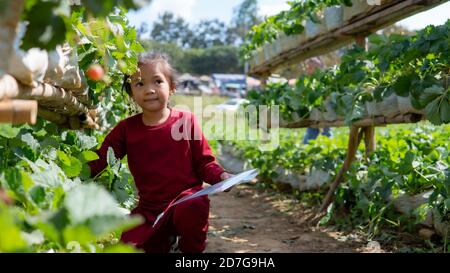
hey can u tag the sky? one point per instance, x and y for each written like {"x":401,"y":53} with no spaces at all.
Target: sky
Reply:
{"x":195,"y":10}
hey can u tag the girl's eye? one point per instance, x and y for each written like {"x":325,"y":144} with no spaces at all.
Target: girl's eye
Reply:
{"x":159,"y":81}
{"x":139,"y":84}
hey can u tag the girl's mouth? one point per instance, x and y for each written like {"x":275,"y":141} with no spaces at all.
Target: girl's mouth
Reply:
{"x":147,"y":100}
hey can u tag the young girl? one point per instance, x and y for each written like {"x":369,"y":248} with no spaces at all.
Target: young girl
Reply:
{"x":169,"y":158}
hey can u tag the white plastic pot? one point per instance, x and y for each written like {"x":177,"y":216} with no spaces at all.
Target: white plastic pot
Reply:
{"x":292,"y":41}
{"x":329,"y":114}
{"x":388,"y":107}
{"x":316,"y":115}
{"x":312,"y":29}
{"x":334,"y":17}
{"x":405,"y":106}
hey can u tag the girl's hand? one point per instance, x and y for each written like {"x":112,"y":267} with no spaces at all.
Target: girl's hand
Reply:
{"x":224,"y":176}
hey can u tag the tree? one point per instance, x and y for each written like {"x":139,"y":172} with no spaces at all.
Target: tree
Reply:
{"x":142,"y":30}
{"x":218,"y":59}
{"x":244,"y":17}
{"x":396,"y":29}
{"x":169,"y":29}
{"x":209,"y":33}
{"x":175,"y":53}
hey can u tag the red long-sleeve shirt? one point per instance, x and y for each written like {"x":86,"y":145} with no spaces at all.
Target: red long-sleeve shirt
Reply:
{"x":164,"y":160}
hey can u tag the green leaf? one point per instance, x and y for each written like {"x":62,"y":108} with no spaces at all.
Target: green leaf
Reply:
{"x":121,"y":248}
{"x":79,"y":233}
{"x":74,"y":168}
{"x":38,"y":195}
{"x":85,"y":142}
{"x":8,"y":131}
{"x":49,"y":230}
{"x":46,"y":30}
{"x":432,"y":112}
{"x":447,"y":204}
{"x":101,"y":225}
{"x":10,"y":237}
{"x":31,"y":141}
{"x":48,"y":175}
{"x":88,"y":201}
{"x":403,"y":85}
{"x":19,"y":182}
{"x":445,"y":110}
{"x":63,"y":157}
{"x":87,"y":156}
{"x":34,"y":238}
{"x":110,"y":157}
{"x":430,"y":93}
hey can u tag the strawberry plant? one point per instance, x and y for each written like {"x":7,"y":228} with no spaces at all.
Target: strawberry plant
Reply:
{"x":408,"y":66}
{"x":56,"y":206}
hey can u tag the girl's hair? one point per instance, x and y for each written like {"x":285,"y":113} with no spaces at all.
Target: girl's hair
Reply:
{"x":153,"y":58}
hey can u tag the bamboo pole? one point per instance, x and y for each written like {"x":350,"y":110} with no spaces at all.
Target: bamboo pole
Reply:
{"x":48,"y":94}
{"x":18,"y":111}
{"x":51,"y":116}
{"x":8,"y":87}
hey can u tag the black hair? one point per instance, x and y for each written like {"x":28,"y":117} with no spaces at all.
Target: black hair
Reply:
{"x":153,"y":57}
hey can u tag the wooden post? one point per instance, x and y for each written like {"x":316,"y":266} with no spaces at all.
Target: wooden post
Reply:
{"x":18,"y":111}
{"x":369,"y":140}
{"x":353,"y":143}
{"x":368,"y":132}
{"x":264,"y":79}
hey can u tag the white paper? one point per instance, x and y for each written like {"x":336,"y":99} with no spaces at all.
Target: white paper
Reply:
{"x":241,"y":178}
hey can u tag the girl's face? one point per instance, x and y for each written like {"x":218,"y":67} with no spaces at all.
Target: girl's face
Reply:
{"x":150,"y":87}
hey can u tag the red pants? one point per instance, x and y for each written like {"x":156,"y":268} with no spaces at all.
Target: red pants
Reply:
{"x":189,"y":220}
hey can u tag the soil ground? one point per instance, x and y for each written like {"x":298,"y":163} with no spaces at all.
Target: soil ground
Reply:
{"x":251,"y":220}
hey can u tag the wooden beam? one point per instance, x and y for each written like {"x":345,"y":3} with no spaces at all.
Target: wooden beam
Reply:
{"x":375,"y":121}
{"x":379,"y":18}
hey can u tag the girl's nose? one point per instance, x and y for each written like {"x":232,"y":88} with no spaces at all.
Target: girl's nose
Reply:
{"x":151,"y":91}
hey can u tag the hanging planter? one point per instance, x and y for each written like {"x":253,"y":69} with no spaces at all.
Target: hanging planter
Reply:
{"x":441,"y":226}
{"x":316,"y":179}
{"x":275,"y":48}
{"x":361,"y":7}
{"x":372,"y":110}
{"x":334,"y":17}
{"x":405,"y":106}
{"x":314,"y":29}
{"x":259,"y":56}
{"x":267,"y":49}
{"x":316,"y":115}
{"x":292,"y":41}
{"x":388,"y":107}
{"x":329,"y":114}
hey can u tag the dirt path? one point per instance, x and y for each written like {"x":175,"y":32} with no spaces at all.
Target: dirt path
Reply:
{"x":250,"y":220}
